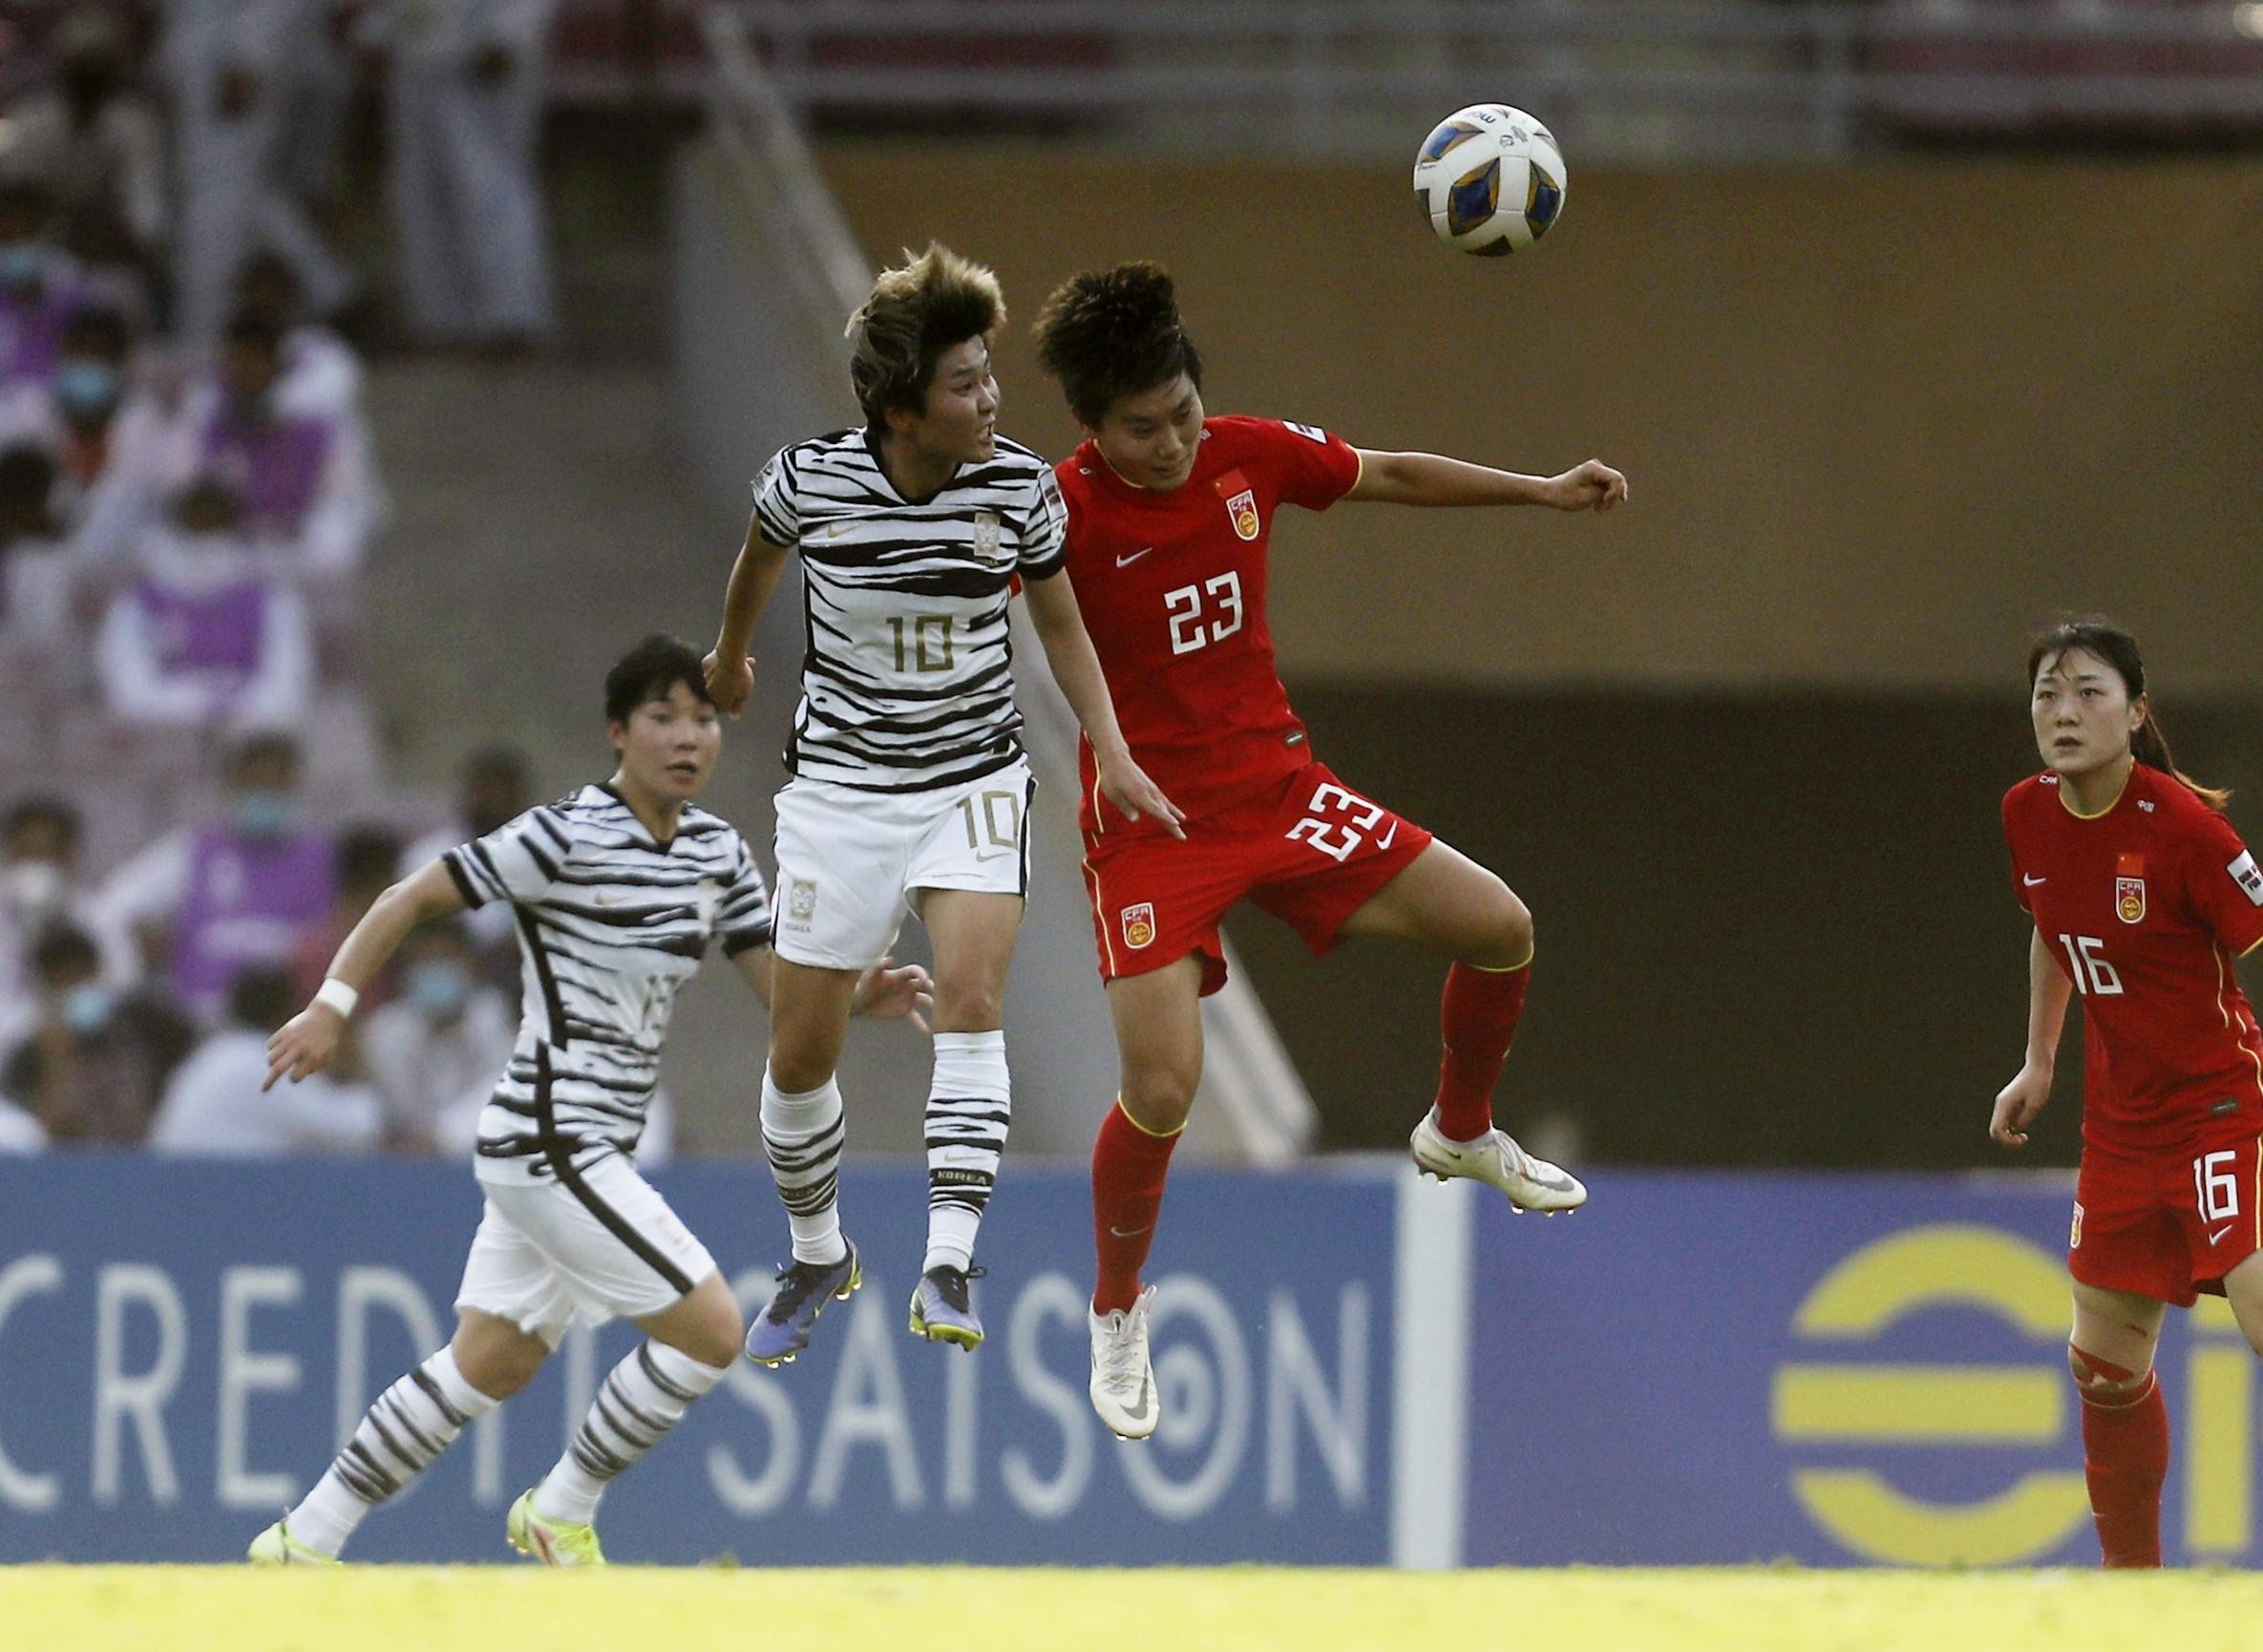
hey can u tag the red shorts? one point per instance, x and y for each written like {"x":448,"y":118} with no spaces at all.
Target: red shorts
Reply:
{"x":1308,"y":850}
{"x":2167,"y":1226}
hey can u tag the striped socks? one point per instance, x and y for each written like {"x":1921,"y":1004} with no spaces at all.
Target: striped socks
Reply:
{"x":412,"y":1423}
{"x":802,"y":1135}
{"x":968,"y":1112}
{"x":645,"y":1396}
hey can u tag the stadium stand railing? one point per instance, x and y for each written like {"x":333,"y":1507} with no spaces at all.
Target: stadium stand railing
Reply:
{"x":1715,"y":83}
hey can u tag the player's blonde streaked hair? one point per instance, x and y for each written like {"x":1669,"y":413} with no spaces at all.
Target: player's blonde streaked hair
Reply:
{"x":936,"y":301}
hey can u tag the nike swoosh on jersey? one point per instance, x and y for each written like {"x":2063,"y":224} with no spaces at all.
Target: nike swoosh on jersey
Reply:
{"x":1130,"y":1233}
{"x":1388,"y":838}
{"x":2217,"y":1238}
{"x":1126,"y":561}
{"x":2031,"y":883}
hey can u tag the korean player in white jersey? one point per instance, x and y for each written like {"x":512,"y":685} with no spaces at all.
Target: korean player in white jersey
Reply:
{"x":910,"y":792}
{"x":618,"y":890}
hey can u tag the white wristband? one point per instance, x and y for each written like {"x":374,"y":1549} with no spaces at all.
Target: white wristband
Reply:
{"x":339,"y":996}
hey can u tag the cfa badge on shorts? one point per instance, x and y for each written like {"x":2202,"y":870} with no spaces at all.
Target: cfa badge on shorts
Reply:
{"x":1241,"y":503}
{"x":2130,"y":888}
{"x":801,"y":899}
{"x":985,"y":534}
{"x":2074,"y":1239}
{"x":1139,"y":926}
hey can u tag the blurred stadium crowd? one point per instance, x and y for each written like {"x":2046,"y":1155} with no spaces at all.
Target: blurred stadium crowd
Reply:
{"x":192,"y":803}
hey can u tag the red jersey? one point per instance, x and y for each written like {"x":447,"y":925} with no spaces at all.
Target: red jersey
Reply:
{"x":2144,"y":908}
{"x":1172,"y":589}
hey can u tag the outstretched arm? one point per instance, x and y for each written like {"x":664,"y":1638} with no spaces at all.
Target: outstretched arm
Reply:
{"x":1068,"y":650}
{"x":1433,"y":480}
{"x":753,"y":578}
{"x":306,"y":1043}
{"x":2048,"y":990}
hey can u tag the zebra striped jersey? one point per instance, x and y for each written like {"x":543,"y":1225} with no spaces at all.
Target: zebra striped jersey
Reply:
{"x":907,"y":681}
{"x":611,"y":923}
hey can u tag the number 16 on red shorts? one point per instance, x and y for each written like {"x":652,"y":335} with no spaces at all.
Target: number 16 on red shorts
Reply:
{"x":2167,"y":1225}
{"x":1309,"y":850}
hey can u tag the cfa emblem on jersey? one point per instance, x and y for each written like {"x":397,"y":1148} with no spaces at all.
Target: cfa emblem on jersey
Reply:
{"x":2074,"y":1239}
{"x":1242,"y":502}
{"x":2129,"y":900}
{"x":2130,"y":888}
{"x":986,"y":534}
{"x":801,"y":900}
{"x":1243,"y":507}
{"x":1139,"y":926}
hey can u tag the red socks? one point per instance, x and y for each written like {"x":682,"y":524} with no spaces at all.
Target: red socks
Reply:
{"x":1128,"y":1165}
{"x":2125,"y":1459}
{"x":1478,"y":1015}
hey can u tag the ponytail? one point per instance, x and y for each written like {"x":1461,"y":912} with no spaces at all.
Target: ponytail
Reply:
{"x":2104,"y":641}
{"x":2150,"y":747}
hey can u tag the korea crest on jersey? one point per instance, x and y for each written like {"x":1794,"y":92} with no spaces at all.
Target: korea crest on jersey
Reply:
{"x":2130,"y":888}
{"x":986,"y":535}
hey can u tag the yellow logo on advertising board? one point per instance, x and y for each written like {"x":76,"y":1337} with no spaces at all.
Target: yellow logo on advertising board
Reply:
{"x":1956,"y":1264}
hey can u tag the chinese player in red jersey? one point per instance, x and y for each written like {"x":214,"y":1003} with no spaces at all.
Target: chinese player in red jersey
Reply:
{"x":1169,"y":516}
{"x":2142,"y":896}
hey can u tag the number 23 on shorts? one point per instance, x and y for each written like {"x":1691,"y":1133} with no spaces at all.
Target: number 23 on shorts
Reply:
{"x":1340,"y":839}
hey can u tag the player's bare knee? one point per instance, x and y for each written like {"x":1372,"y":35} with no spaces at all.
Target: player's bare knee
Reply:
{"x":1158,"y":1101}
{"x":797,"y":1069}
{"x":2103,"y":1380}
{"x":969,"y":1005}
{"x":495,"y":1356}
{"x":1507,"y":941}
{"x":717,"y":1343}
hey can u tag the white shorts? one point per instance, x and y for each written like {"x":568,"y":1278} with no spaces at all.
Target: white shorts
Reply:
{"x":605,"y":1243}
{"x":850,"y":863}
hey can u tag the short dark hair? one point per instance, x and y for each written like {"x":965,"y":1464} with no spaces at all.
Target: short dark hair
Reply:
{"x":938,"y":300}
{"x":42,"y":806}
{"x":1110,"y":333}
{"x":261,"y":998}
{"x":648,"y":671}
{"x":60,"y":945}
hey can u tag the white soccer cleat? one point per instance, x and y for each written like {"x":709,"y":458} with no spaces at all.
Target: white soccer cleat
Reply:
{"x":1123,"y":1380}
{"x":277,"y":1547}
{"x":1495,"y":1159}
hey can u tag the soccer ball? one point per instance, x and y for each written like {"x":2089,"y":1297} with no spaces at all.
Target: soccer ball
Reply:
{"x":1490,"y":179}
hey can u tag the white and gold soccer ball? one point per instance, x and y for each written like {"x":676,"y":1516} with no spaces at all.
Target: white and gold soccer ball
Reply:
{"x":1490,"y":179}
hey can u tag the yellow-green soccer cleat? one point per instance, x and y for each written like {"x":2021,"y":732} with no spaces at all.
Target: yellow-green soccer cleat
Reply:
{"x":942,"y":1311}
{"x":277,"y":1547}
{"x":553,"y":1543}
